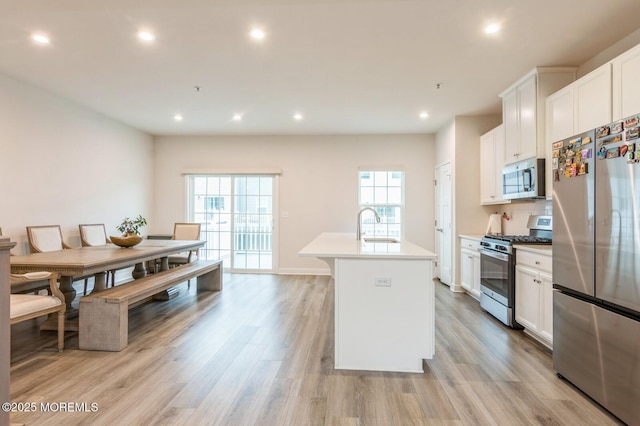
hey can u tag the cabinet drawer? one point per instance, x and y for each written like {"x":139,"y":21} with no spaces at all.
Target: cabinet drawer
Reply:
{"x":470,"y":244}
{"x":534,"y":260}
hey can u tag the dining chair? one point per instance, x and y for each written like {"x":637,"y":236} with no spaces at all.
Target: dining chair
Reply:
{"x":45,"y":238}
{"x":91,"y":235}
{"x":31,"y":282}
{"x":187,"y":232}
{"x":23,"y":307}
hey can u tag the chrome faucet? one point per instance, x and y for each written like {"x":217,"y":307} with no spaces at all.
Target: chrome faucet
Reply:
{"x":358,"y":231}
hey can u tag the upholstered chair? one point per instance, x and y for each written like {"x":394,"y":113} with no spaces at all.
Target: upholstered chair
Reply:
{"x":37,"y":281}
{"x":23,"y":307}
{"x":187,"y":232}
{"x":45,"y":238}
{"x":95,"y":234}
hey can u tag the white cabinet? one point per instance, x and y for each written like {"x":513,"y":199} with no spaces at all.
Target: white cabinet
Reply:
{"x":592,"y":100}
{"x":559,"y":125}
{"x":519,"y":116}
{"x":470,"y":266}
{"x":534,"y":294}
{"x":582,"y":105}
{"x":523,"y":111}
{"x":626,"y":84}
{"x":560,"y":115}
{"x":491,"y":163}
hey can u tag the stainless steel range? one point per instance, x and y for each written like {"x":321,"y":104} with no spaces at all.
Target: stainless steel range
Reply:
{"x":498,"y":268}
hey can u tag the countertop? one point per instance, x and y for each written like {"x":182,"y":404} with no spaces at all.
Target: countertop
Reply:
{"x":535,"y":248}
{"x":345,"y":245}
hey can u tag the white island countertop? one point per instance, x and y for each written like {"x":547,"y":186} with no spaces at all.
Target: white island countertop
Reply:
{"x":384,"y":316}
{"x":345,"y":245}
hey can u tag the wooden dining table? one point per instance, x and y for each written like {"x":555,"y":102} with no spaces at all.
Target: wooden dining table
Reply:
{"x":97,"y":260}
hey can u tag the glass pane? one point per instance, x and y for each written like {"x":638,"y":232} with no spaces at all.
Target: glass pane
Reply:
{"x":240,"y":185}
{"x":395,"y":195}
{"x":265,"y":206}
{"x":366,"y":196}
{"x":253,"y":260}
{"x":380,"y":195}
{"x":225,"y":186}
{"x":366,"y":179}
{"x":240,"y":260}
{"x":395,"y":179}
{"x":380,"y":178}
{"x":265,"y":261}
{"x":251,"y":204}
{"x":253,"y":185}
{"x":266,"y":186}
{"x":199,"y":185}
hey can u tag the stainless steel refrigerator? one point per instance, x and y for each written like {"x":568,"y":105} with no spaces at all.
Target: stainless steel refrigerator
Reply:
{"x":596,"y":265}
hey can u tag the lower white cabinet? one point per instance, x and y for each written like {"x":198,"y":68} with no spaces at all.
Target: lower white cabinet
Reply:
{"x":470,"y":266}
{"x":534,"y":295}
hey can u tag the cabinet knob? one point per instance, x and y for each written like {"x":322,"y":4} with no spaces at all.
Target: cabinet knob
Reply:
{"x":537,"y":262}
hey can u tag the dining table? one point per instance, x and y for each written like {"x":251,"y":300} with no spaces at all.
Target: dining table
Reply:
{"x":95,"y":261}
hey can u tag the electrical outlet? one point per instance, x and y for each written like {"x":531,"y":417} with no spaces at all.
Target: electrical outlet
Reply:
{"x":383,"y":281}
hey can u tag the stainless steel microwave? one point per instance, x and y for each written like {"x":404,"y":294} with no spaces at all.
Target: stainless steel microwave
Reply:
{"x":524,"y":179}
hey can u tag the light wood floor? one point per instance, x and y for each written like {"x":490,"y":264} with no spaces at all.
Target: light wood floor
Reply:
{"x":261,"y":353}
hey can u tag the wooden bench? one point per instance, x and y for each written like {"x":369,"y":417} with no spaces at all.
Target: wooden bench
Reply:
{"x":104,"y":318}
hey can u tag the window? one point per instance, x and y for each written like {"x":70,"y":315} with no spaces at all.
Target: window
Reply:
{"x":236,"y":213}
{"x":384,"y":191}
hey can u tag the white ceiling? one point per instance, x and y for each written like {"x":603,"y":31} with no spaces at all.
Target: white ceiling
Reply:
{"x":350,"y":66}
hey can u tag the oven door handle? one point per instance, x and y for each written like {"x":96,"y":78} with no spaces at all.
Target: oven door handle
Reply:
{"x":495,"y":255}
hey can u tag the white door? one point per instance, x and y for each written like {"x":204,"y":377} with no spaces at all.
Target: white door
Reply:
{"x":444,"y":241}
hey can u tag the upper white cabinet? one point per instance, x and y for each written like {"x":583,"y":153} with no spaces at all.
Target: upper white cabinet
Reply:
{"x":626,"y":84}
{"x":592,"y":100}
{"x":518,"y":108}
{"x":582,"y":105}
{"x":491,"y":163}
{"x":523,"y":111}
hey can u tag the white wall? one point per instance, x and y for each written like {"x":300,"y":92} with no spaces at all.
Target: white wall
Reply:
{"x":318,"y":188}
{"x":609,"y":53}
{"x":63,"y":164}
{"x":459,"y":143}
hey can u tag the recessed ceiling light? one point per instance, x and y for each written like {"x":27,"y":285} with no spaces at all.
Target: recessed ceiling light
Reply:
{"x":178,"y":117}
{"x":257,"y":33}
{"x":146,"y":36}
{"x":237,"y":117}
{"x":492,"y":28}
{"x":297,"y":116}
{"x":40,"y":39}
{"x":424,"y":115}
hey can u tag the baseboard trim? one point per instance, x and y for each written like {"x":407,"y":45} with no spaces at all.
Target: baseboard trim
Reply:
{"x":303,"y":271}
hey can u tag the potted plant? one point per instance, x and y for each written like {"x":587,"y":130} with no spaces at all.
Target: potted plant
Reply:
{"x":130,"y":229}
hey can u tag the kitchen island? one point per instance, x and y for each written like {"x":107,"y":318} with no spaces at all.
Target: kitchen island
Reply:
{"x":384,"y":302}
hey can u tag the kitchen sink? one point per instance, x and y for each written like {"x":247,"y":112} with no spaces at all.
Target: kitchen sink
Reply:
{"x":380,"y":240}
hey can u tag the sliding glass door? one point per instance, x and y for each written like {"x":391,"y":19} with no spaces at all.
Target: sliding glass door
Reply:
{"x":236,"y":213}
